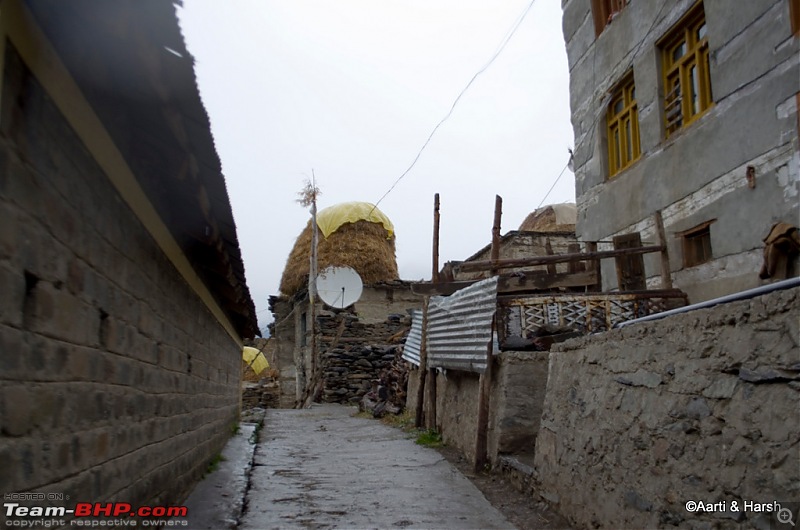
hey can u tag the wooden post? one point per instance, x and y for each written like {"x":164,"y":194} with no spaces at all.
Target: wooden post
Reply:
{"x":591,"y":247}
{"x":575,"y":266}
{"x":666,"y":275}
{"x":484,"y":391}
{"x":312,"y":282}
{"x":630,"y":268}
{"x":435,"y":273}
{"x":431,"y":423}
{"x":423,"y":366}
{"x":548,"y":248}
{"x":498,"y":214}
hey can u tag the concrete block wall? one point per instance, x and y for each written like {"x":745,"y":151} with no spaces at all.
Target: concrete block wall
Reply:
{"x":701,"y":406}
{"x":116,"y":382}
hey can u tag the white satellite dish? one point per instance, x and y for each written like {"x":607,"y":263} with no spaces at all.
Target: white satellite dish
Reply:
{"x":339,"y":287}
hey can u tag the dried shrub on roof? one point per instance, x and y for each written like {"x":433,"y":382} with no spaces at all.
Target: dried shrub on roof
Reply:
{"x":361,"y":245}
{"x":551,"y":218}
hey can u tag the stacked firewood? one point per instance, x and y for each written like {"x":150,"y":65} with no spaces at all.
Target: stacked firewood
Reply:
{"x":388,"y":393}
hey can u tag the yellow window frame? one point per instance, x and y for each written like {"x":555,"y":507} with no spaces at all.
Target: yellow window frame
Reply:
{"x":686,"y":75}
{"x":622,"y":120}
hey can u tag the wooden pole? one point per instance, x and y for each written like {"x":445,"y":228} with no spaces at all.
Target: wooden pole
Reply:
{"x":498,"y":214}
{"x":484,"y":391}
{"x":435,"y":272}
{"x":312,"y":284}
{"x":431,"y":423}
{"x":548,"y":248}
{"x":423,"y":367}
{"x":666,"y":275}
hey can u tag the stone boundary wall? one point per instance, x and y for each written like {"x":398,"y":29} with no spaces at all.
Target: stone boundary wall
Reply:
{"x":700,"y":406}
{"x":351,"y":365}
{"x":116,"y":382}
{"x":515,"y":404}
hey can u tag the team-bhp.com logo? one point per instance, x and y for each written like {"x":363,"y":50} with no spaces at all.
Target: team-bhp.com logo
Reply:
{"x":92,"y":514}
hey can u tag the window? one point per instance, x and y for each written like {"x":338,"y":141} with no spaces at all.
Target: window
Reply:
{"x":604,"y":11}
{"x":697,"y":244}
{"x":623,"y":127}
{"x":687,"y":83}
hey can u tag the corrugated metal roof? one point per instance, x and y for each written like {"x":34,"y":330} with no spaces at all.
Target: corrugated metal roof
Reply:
{"x":460,"y":327}
{"x":413,"y":346}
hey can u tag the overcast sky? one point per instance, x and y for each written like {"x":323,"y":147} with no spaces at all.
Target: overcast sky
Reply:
{"x":352,"y":90}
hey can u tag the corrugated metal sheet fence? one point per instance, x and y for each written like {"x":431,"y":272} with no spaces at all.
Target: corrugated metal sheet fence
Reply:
{"x":460,"y":327}
{"x":413,"y":346}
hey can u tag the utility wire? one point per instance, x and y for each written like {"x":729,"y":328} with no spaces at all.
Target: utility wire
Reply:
{"x":602,"y":109}
{"x":497,"y":52}
{"x":553,"y":186}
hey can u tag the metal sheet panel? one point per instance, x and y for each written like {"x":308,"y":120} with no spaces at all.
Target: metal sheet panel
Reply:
{"x":413,"y":346}
{"x":460,"y":327}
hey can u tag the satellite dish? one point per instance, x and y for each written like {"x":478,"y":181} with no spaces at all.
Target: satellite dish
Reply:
{"x":339,"y":287}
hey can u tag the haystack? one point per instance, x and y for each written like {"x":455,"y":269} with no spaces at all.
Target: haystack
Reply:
{"x":551,"y":218}
{"x":366,"y":246}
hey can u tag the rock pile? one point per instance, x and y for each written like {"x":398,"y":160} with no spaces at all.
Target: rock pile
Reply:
{"x":262,"y":394}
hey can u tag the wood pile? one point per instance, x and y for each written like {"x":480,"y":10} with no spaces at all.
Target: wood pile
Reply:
{"x":388,"y":393}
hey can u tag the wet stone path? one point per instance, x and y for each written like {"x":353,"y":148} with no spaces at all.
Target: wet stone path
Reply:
{"x":323,"y":468}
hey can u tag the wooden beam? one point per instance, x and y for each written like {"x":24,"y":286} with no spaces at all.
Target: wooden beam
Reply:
{"x":540,"y":281}
{"x":472,"y":266}
{"x":518,"y":282}
{"x":440,"y":289}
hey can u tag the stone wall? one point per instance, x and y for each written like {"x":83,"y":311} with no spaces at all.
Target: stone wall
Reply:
{"x":515,"y":404}
{"x":699,"y":406}
{"x":116,"y":382}
{"x":352,"y":364}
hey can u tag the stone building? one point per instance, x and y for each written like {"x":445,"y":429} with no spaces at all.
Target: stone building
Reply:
{"x":124,"y":302}
{"x":688,"y":108}
{"x":318,"y":348}
{"x":550,"y":229}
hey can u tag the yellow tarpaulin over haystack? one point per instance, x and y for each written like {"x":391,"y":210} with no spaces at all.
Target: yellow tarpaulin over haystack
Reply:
{"x":331,"y":218}
{"x":255,"y":358}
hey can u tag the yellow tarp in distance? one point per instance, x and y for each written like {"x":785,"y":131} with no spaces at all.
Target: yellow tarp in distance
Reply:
{"x":255,"y":358}
{"x":331,"y":218}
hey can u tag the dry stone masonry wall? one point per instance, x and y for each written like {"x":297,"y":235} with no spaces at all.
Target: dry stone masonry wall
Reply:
{"x":701,"y":406}
{"x":353,"y":364}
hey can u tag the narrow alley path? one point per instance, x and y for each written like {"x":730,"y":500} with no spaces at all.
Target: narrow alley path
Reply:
{"x":324,"y":468}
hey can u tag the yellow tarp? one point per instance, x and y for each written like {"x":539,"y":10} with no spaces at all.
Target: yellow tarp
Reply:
{"x":331,"y":218}
{"x":255,"y":358}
